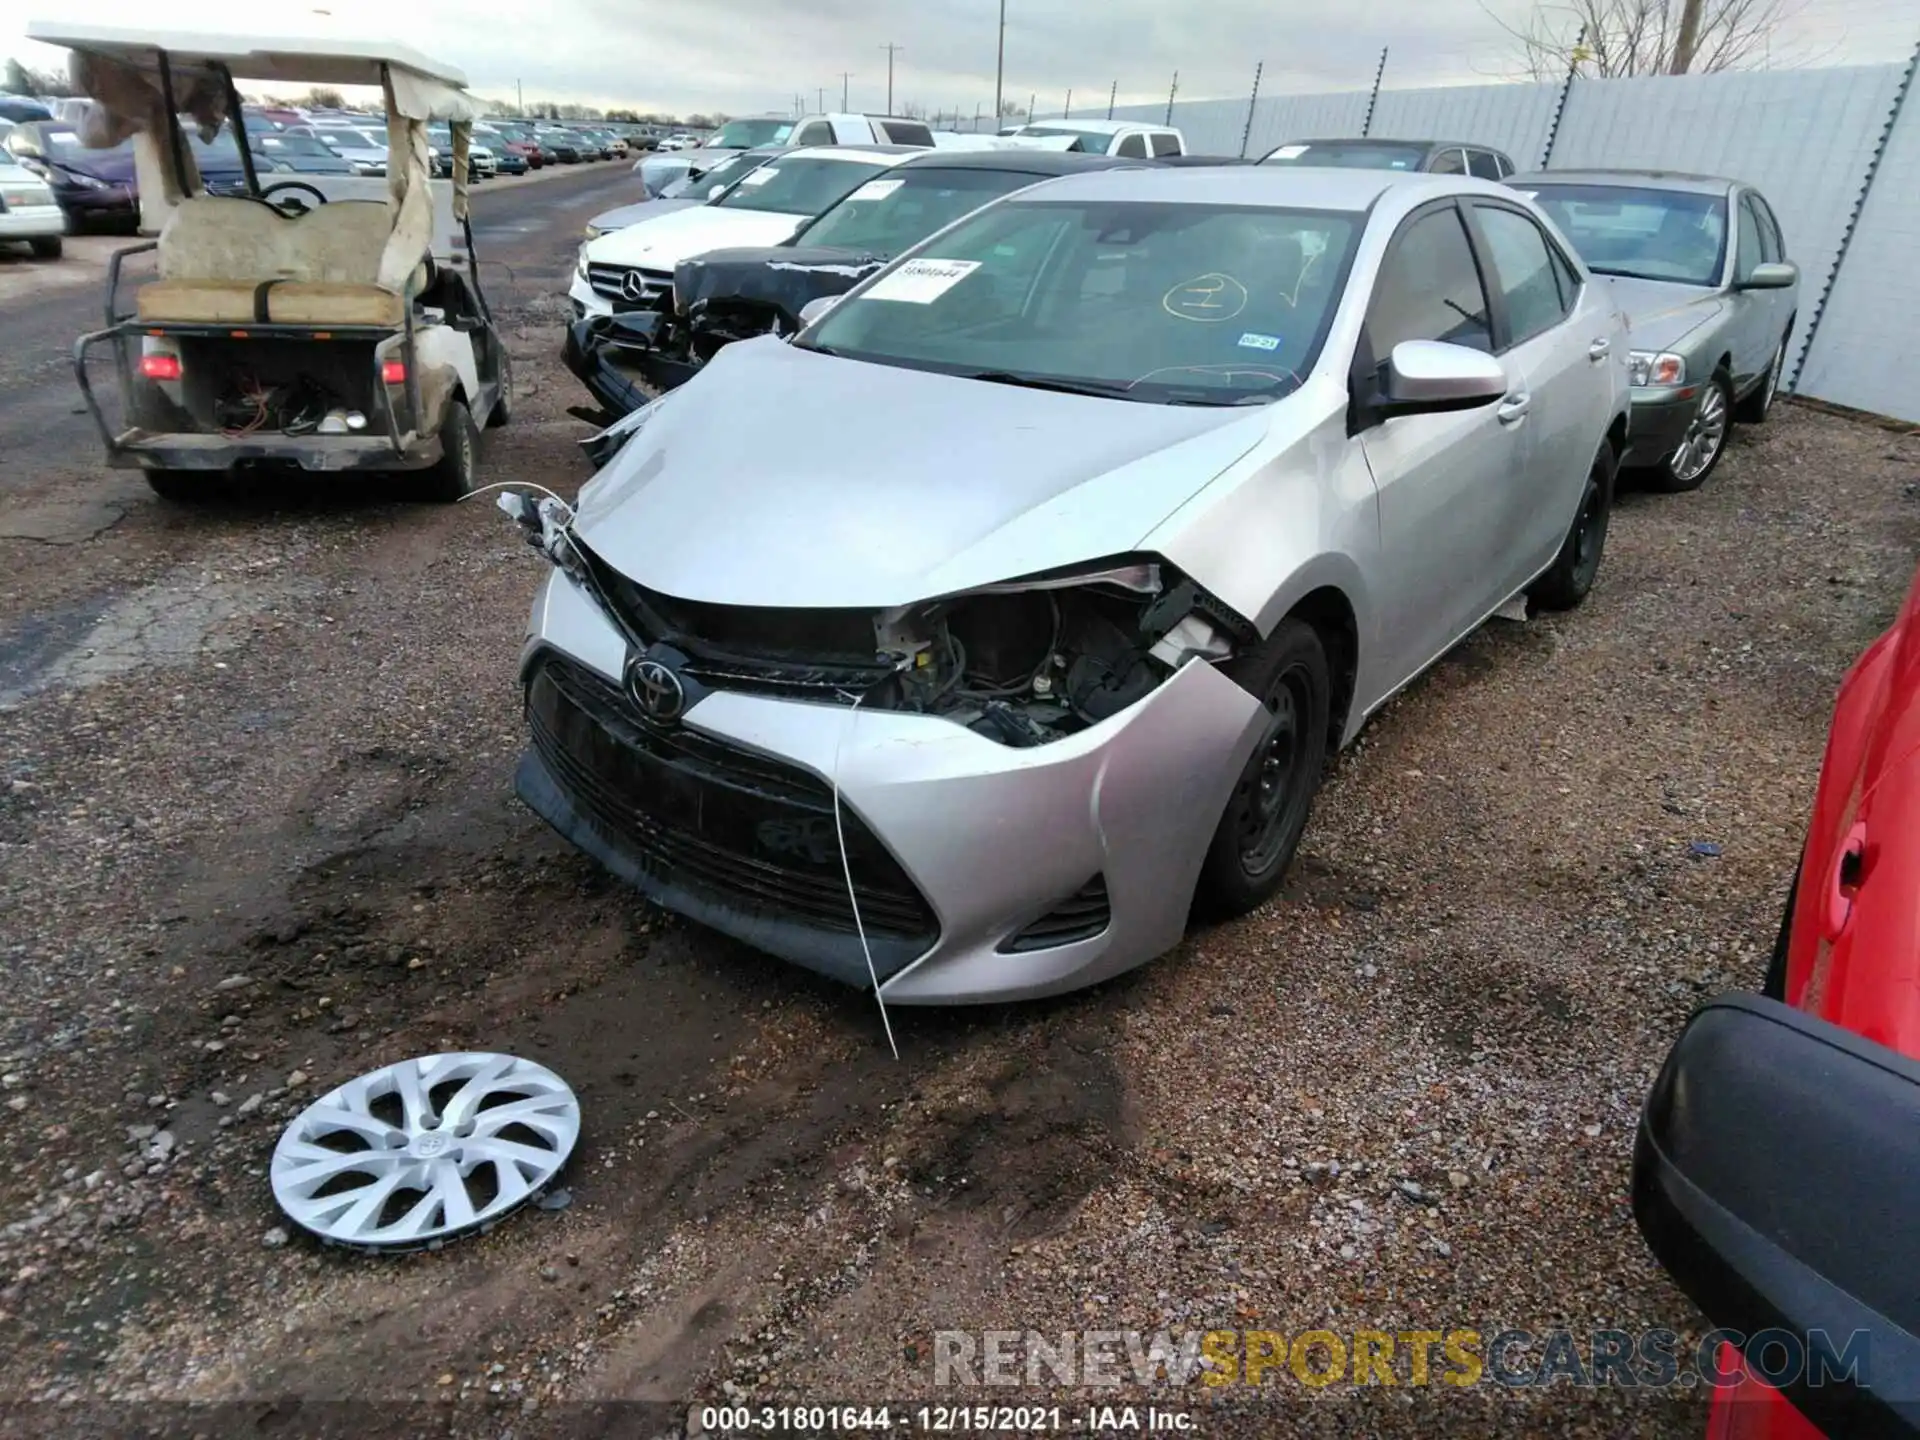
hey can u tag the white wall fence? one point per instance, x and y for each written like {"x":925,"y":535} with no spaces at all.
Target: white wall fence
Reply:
{"x":1807,"y":138}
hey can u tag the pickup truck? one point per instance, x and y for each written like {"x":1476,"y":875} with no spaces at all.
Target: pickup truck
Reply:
{"x":1125,"y":139}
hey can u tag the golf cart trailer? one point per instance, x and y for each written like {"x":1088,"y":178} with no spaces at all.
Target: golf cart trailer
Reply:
{"x":325,"y":322}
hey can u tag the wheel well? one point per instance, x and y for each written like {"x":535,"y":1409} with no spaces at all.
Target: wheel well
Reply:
{"x":1617,"y":436}
{"x":1331,"y":616}
{"x":1726,"y":363}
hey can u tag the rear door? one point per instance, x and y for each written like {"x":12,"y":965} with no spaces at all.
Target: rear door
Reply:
{"x":1754,"y":331}
{"x":1558,"y":341}
{"x":1442,"y":480}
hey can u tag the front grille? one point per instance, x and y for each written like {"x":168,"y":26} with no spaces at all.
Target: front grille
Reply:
{"x":610,"y":283}
{"x":742,"y":829}
{"x":1081,"y":916}
{"x":788,"y":652}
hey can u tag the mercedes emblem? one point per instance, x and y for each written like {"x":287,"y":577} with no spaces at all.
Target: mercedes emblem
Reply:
{"x":657,"y":691}
{"x":633,"y":286}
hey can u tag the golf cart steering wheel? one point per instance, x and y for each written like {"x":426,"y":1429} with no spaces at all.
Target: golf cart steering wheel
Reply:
{"x":293,"y":206}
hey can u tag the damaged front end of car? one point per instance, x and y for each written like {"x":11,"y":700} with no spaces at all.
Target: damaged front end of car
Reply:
{"x":718,"y":298}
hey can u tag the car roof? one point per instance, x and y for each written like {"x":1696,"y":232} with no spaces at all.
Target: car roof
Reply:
{"x":1016,"y":162}
{"x":1645,"y":179}
{"x":1390,"y":140}
{"x":1305,"y":188}
{"x":1097,"y":127}
{"x":893,"y":154}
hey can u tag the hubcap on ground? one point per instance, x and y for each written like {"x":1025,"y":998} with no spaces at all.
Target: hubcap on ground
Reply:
{"x":413,"y":1154}
{"x":1705,"y":436}
{"x":1270,"y":791}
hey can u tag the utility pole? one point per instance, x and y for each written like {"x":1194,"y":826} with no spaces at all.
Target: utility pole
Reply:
{"x":999,"y":65}
{"x":519,"y":99}
{"x":1032,"y":100}
{"x":1688,"y":40}
{"x":1067,"y":114}
{"x":1112,"y":95}
{"x":1175,"y":90}
{"x":1374,"y":99}
{"x":1253,"y":103}
{"x":820,"y":95}
{"x":845,"y":77}
{"x":976,"y":117}
{"x":891,"y":50}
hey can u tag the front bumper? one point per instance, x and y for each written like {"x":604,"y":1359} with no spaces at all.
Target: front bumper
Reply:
{"x":1658,"y":421}
{"x":32,"y":222}
{"x":116,"y":202}
{"x":586,"y":300}
{"x":991,"y":839}
{"x":149,"y":450}
{"x":613,"y":372}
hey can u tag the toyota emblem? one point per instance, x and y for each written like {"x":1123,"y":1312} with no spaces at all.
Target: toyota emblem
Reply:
{"x":632,"y":286}
{"x":657,"y":691}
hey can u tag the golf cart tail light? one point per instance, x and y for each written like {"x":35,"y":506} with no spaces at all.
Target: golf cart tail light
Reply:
{"x":160,"y":367}
{"x":393,"y":372}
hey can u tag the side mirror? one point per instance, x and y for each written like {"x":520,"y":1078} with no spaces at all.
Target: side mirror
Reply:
{"x":1776,"y":1174}
{"x":815,"y":308}
{"x":1431,"y":377}
{"x":1772,"y":275}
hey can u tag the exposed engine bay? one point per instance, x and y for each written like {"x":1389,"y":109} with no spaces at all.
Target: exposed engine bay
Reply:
{"x":1022,"y":664}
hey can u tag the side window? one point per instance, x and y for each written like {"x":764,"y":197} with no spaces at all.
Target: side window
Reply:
{"x":820,"y":132}
{"x":907,"y":132}
{"x":1133,"y":146}
{"x":1503,"y":165}
{"x":1448,"y":162}
{"x":1568,"y":277}
{"x":1165,"y":144}
{"x":1771,"y":244}
{"x":1429,"y":288}
{"x":1523,"y":267}
{"x":1482,"y":165}
{"x":1750,"y":251}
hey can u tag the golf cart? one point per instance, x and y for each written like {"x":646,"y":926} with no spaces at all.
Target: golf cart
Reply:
{"x":325,"y":322}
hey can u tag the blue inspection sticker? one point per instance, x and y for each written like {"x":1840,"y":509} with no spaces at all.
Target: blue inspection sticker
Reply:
{"x":1253,"y":341}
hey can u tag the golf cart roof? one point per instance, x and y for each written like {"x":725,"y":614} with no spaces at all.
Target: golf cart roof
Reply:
{"x":298,"y":59}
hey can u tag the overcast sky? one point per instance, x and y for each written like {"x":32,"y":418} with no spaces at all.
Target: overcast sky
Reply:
{"x":747,"y":56}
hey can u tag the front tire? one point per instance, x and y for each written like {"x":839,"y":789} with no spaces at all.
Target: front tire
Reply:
{"x":1267,"y":813}
{"x":502,"y":410}
{"x":1567,"y":581}
{"x":46,"y":247}
{"x":1706,"y":439}
{"x":182,"y":487}
{"x":451,"y":477}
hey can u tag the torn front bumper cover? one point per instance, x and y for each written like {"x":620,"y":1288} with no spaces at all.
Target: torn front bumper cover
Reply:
{"x":614,"y":356}
{"x":977,"y":864}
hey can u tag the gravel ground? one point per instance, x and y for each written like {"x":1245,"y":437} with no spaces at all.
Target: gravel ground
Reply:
{"x":258,"y":835}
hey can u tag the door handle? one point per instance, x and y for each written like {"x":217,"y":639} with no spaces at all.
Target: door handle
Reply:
{"x":1599,"y":350}
{"x":1514,"y":408}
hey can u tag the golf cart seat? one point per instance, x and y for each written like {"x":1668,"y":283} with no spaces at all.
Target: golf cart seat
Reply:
{"x":227,"y":260}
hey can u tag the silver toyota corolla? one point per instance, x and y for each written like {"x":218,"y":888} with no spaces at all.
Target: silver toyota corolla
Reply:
{"x":967,"y":643}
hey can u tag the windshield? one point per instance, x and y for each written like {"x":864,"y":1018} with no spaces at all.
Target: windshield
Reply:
{"x":745,"y":134}
{"x":1642,"y":232}
{"x":355,"y":139}
{"x":1350,"y":155}
{"x":290,"y":145}
{"x":887,"y":216}
{"x":798,"y":187}
{"x":64,"y":145}
{"x":1167,"y":303}
{"x":723,"y":174}
{"x":1087,"y":142}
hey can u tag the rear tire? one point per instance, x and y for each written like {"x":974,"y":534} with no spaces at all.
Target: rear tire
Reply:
{"x":46,"y":247}
{"x":502,"y":410}
{"x":450,"y":477}
{"x":1267,"y":813}
{"x":1571,"y":576}
{"x":182,"y":487}
{"x":1699,"y":454}
{"x":1756,"y":407}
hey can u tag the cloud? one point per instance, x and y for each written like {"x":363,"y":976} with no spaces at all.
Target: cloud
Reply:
{"x":747,"y":56}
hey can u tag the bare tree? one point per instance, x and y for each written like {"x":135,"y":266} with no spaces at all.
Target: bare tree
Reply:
{"x":1609,"y":38}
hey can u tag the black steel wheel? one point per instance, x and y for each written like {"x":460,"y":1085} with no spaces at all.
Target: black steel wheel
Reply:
{"x":1267,"y":813}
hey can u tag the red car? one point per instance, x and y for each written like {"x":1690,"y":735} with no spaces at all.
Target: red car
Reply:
{"x":1777,"y":1168}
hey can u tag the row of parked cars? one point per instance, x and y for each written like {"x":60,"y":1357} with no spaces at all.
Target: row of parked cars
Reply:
{"x":996,"y":548}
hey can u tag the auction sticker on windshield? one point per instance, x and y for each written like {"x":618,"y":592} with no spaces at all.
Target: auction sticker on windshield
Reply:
{"x":921,"y":282}
{"x":1288,"y":152}
{"x":760,"y":177}
{"x":876,"y":190}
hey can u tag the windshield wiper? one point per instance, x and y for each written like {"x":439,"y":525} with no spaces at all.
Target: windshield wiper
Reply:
{"x":1101,"y":388}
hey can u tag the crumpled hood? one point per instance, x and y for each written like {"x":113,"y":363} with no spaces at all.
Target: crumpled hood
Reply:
{"x":781,"y":477}
{"x":1661,"y":313}
{"x":663,"y":242}
{"x":785,"y":276}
